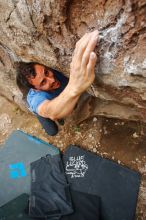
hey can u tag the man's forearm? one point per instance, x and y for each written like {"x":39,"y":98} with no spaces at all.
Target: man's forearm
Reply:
{"x":61,"y":106}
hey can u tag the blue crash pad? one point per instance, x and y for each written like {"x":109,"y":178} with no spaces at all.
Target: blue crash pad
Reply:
{"x":19,"y":150}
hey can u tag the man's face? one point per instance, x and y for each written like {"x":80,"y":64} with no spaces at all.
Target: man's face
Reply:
{"x":44,"y":79}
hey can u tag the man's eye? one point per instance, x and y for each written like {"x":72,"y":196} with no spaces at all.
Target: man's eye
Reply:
{"x":43,"y":82}
{"x":47,"y":73}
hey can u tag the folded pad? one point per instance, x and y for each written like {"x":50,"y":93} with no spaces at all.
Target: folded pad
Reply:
{"x":50,"y":195}
{"x":117,"y":186}
{"x":16,"y":155}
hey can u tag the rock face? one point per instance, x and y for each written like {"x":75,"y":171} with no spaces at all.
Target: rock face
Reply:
{"x":46,"y":32}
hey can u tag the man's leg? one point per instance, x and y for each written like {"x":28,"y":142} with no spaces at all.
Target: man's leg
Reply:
{"x":50,"y":126}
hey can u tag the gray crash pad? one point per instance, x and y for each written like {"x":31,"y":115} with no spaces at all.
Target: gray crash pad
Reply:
{"x":19,"y":150}
{"x":15,"y":209}
{"x":117,"y":186}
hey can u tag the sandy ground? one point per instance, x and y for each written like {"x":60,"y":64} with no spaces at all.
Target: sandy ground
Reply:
{"x":118,"y":140}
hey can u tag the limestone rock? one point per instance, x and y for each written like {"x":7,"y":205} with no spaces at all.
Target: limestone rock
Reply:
{"x":46,"y":32}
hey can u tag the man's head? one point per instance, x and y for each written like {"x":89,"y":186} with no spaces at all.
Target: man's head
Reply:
{"x":36,"y":76}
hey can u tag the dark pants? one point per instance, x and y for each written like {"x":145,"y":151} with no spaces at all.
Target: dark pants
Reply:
{"x":49,"y":126}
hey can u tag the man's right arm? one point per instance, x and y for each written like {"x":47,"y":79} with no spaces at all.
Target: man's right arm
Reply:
{"x":81,"y":77}
{"x":60,"y":106}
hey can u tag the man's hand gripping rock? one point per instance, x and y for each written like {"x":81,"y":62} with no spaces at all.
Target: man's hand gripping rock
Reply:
{"x":83,"y":63}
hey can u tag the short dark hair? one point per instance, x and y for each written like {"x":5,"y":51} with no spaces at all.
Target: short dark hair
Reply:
{"x":24,"y":72}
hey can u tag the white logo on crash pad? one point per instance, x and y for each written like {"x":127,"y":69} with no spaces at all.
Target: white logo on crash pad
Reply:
{"x":76,"y":166}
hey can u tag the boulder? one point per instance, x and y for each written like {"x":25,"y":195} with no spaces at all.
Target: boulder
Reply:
{"x":46,"y":32}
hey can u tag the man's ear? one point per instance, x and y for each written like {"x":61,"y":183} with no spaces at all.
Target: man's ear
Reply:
{"x":30,"y":82}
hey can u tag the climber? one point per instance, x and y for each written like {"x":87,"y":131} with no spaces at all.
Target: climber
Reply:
{"x":50,"y":94}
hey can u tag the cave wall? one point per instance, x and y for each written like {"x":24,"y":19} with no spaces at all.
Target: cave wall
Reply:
{"x":46,"y":32}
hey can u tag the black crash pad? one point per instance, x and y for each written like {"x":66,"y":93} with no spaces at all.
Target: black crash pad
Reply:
{"x":86,"y":207}
{"x":117,"y":186}
{"x":19,"y":150}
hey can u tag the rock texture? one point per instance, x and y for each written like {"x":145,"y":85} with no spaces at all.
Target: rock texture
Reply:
{"x":46,"y":32}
